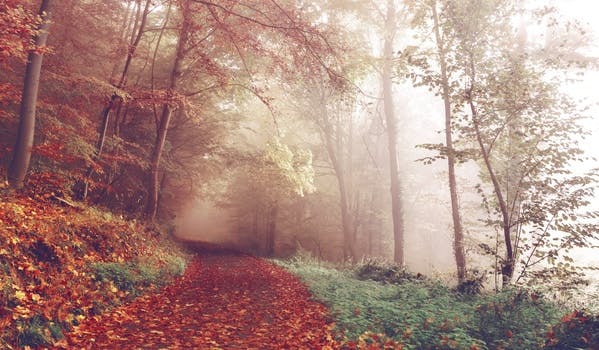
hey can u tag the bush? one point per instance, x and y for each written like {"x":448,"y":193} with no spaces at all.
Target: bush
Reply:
{"x":413,"y":312}
{"x":512,"y":319}
{"x":473,"y":285}
{"x":577,"y":330}
{"x":32,"y":336}
{"x":385,"y":272}
{"x":418,"y":314}
{"x":175,"y":265}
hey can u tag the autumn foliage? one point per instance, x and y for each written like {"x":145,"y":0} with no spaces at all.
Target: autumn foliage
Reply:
{"x":17,"y":27}
{"x":576,"y":330}
{"x":47,"y":250}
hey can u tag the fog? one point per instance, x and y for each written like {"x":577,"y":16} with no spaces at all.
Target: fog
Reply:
{"x":312,"y":222}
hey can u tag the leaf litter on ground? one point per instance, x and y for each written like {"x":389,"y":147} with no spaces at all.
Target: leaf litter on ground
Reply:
{"x":223,"y":301}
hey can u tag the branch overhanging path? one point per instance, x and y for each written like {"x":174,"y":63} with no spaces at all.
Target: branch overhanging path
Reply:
{"x":223,"y":301}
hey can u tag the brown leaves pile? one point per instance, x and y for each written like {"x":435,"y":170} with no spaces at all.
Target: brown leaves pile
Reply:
{"x":46,"y":250}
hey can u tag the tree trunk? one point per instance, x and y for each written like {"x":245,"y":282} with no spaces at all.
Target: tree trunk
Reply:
{"x":458,"y":232}
{"x":390,"y":118}
{"x":116,"y":99}
{"x":154,"y":186}
{"x":335,"y":157}
{"x":507,"y":265}
{"x":165,"y":119}
{"x":271,"y":229}
{"x":26,"y":132}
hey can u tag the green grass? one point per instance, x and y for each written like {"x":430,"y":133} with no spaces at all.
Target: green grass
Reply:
{"x":422,"y":313}
{"x":135,"y":276}
{"x":38,"y":332}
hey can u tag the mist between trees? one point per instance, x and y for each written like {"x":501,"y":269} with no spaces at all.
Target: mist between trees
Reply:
{"x":447,"y":136}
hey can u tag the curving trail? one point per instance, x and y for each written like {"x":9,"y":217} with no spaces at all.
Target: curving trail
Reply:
{"x":223,"y":301}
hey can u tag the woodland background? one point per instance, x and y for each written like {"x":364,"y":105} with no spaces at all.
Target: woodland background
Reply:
{"x":433,"y":133}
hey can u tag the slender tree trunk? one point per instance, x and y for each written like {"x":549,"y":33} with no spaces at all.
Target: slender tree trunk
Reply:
{"x":357,"y":214}
{"x":122,"y":47}
{"x":26,"y":132}
{"x":271,"y":229}
{"x":116,"y":99}
{"x":165,"y":118}
{"x":391,"y":120}
{"x":458,"y":232}
{"x":255,"y":221}
{"x":507,"y":265}
{"x":348,"y":243}
{"x":372,"y":221}
{"x":154,"y":186}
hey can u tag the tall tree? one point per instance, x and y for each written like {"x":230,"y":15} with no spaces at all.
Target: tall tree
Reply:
{"x":431,"y":18}
{"x":218,"y":41}
{"x":25,"y":135}
{"x":392,"y":133}
{"x":458,"y":231}
{"x":332,"y":121}
{"x":119,"y":94}
{"x":167,"y":110}
{"x":524,"y":130}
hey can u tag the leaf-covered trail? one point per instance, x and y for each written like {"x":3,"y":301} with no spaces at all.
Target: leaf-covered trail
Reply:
{"x":223,"y":301}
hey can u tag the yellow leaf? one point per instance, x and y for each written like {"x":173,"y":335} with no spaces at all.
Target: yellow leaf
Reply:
{"x":19,"y":294}
{"x":21,"y":312}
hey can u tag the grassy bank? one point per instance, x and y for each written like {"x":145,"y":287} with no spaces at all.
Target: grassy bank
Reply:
{"x":385,"y":307}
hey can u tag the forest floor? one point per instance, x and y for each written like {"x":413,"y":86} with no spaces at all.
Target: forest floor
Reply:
{"x":223,"y":301}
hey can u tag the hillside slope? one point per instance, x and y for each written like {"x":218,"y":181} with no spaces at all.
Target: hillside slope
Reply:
{"x":61,"y":263}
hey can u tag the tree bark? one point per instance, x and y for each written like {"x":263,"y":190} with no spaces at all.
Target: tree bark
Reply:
{"x":458,"y":232}
{"x":165,"y":118}
{"x":26,"y":132}
{"x":392,"y":128}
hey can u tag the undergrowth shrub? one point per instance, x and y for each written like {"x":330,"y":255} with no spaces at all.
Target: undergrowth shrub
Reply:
{"x":304,"y":256}
{"x":416,"y":314}
{"x":472,"y":285}
{"x":576,"y":330}
{"x":385,"y":272}
{"x":513,"y":319}
{"x":175,"y":265}
{"x":378,"y":301}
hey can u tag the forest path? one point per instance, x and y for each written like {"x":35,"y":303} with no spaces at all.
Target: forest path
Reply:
{"x":223,"y":301}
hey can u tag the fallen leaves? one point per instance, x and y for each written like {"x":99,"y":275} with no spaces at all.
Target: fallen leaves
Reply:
{"x":46,"y":251}
{"x":222,"y":302}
